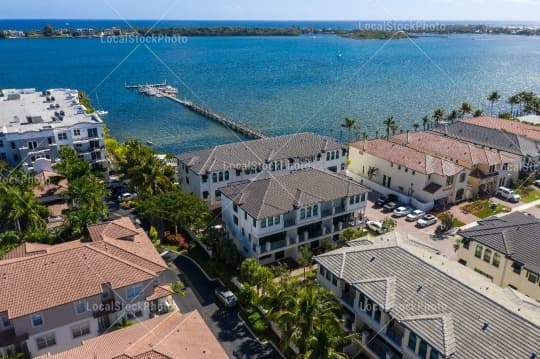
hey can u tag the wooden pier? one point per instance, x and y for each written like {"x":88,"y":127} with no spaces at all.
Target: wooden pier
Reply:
{"x":225,"y":121}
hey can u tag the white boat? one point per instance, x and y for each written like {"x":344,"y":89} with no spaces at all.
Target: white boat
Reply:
{"x":102,"y":112}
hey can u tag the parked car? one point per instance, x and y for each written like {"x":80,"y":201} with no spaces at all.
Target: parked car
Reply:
{"x":390,"y":206}
{"x":55,"y":219}
{"x":375,"y":226}
{"x":426,"y":221}
{"x":402,"y":211}
{"x":415,"y":215}
{"x":226,"y":297}
{"x":127,"y":196}
{"x":113,"y":183}
{"x":508,"y":195}
{"x":381,"y":201}
{"x":393,"y":198}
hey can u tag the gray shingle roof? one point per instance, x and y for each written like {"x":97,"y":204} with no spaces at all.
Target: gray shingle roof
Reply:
{"x":490,"y":137}
{"x":444,"y":303}
{"x":516,"y":235}
{"x":256,"y":152}
{"x":281,"y":194}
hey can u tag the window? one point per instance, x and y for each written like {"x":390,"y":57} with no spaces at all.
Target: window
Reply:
{"x":532,"y":277}
{"x":92,"y":132}
{"x":217,"y":193}
{"x":32,"y":145}
{"x":16,"y":158}
{"x":80,"y":307}
{"x":50,"y":140}
{"x":37,"y":320}
{"x":80,"y":330}
{"x":377,"y":314}
{"x":62,"y":136}
{"x":449,"y":180}
{"x":505,"y":167}
{"x":134,"y":291}
{"x":302,"y":213}
{"x":6,"y":322}
{"x":235,"y":208}
{"x":422,"y":350}
{"x":491,"y":168}
{"x":487,"y":255}
{"x":466,"y":244}
{"x":516,"y":268}
{"x":462,"y":177}
{"x":235,"y":220}
{"x":277,"y":219}
{"x":204,"y":178}
{"x":328,"y":156}
{"x":263,"y":223}
{"x":76,"y":132}
{"x":13,"y":145}
{"x":238,"y":173}
{"x":434,"y":354}
{"x":1,"y":143}
{"x":478,"y":251}
{"x":270,"y":221}
{"x":214,"y":177}
{"x":496,"y":260}
{"x":220,"y":176}
{"x":46,"y":341}
{"x":205,"y":195}
{"x":412,"y":342}
{"x":315,"y":210}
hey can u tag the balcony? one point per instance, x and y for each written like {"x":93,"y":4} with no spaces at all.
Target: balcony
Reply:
{"x":327,"y":212}
{"x":395,"y":333}
{"x":9,"y":337}
{"x":338,"y":210}
{"x":289,"y":222}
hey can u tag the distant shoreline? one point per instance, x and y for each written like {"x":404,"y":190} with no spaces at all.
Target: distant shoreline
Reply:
{"x":380,"y":32}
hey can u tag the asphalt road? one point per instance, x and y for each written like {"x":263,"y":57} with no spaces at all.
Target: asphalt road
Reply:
{"x":226,"y":325}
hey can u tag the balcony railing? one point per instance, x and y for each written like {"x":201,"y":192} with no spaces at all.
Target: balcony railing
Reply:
{"x":289,"y":222}
{"x":339,"y":210}
{"x":326,"y":212}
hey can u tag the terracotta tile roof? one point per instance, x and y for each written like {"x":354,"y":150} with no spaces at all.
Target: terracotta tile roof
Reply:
{"x":515,"y":127}
{"x":411,"y":158}
{"x":123,"y":234}
{"x":35,"y":283}
{"x":174,"y":335}
{"x":452,"y":149}
{"x":26,"y":250}
{"x":161,"y":291}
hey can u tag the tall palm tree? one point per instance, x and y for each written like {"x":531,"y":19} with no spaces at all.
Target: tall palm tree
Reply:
{"x":372,"y":172}
{"x":478,"y":113}
{"x":394,"y":129}
{"x":466,"y":108}
{"x":365,"y":135}
{"x":349,"y":124}
{"x":425,"y":122}
{"x":452,"y":116}
{"x":438,"y":115}
{"x":513,"y":101}
{"x":492,"y":98}
{"x":389,"y":122}
{"x":326,"y":342}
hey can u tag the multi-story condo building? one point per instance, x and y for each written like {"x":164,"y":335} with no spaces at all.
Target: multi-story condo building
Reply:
{"x":415,"y":176}
{"x":205,"y":172}
{"x":489,"y":169}
{"x":34,"y":126}
{"x":270,"y":219}
{"x":170,"y":336}
{"x":506,"y":250}
{"x":55,"y":297}
{"x":407,"y":301}
{"x":494,"y":138}
{"x":518,"y":128}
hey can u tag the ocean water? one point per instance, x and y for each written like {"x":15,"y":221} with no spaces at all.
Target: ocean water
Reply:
{"x":278,"y":84}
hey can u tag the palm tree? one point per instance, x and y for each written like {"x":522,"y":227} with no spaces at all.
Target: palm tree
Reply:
{"x":394,"y":129}
{"x":372,"y":172}
{"x":493,"y":97}
{"x":416,"y":126}
{"x":478,"y":113}
{"x":389,"y":122}
{"x":465,"y":109}
{"x":438,"y":115}
{"x":326,"y":341}
{"x":305,"y":258}
{"x":452,"y":116}
{"x":425,"y":122}
{"x":513,"y":101}
{"x":365,"y":135}
{"x":349,"y":124}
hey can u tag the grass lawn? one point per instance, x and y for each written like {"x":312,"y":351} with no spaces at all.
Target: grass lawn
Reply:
{"x":484,"y":208}
{"x":528,"y":194}
{"x":172,"y":248}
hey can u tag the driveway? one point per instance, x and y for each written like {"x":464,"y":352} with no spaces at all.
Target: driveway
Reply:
{"x":226,"y":325}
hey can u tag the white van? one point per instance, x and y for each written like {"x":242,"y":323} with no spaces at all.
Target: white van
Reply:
{"x":508,"y":195}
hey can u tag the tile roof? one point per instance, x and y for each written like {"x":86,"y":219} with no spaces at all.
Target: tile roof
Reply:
{"x":174,"y":336}
{"x":56,"y":272}
{"x":516,"y":235}
{"x":248,"y":154}
{"x":161,"y":291}
{"x":411,"y":158}
{"x":490,"y":137}
{"x":445,"y":303}
{"x":281,"y":194}
{"x":33,"y":284}
{"x":515,"y":127}
{"x":450,"y":148}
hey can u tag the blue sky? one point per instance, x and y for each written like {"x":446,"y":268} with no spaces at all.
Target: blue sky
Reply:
{"x":528,"y":10}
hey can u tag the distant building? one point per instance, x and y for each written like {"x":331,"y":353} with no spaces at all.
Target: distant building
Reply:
{"x":170,"y":336}
{"x":415,"y":176}
{"x":506,"y":250}
{"x":406,"y":301}
{"x":498,"y":139}
{"x":489,"y":169}
{"x":270,"y":219}
{"x":205,"y":172}
{"x":35,"y":125}
{"x":518,"y":128}
{"x":54,"y":297}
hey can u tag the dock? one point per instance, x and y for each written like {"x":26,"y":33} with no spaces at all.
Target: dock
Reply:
{"x":165,"y":91}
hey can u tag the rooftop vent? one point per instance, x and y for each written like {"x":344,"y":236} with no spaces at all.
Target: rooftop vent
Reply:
{"x":419,"y":287}
{"x":485,"y":326}
{"x":57,"y":105}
